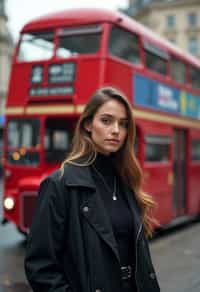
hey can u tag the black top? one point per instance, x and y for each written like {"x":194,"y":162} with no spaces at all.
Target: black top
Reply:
{"x":118,"y":210}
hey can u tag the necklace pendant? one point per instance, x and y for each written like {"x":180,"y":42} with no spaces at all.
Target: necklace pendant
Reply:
{"x":114,"y":198}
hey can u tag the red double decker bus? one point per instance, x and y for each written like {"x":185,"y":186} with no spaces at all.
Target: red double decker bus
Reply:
{"x":60,"y":60}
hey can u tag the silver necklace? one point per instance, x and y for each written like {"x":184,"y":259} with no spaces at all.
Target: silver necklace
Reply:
{"x":114,"y":196}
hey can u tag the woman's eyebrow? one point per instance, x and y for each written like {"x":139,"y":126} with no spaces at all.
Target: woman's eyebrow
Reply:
{"x":112,"y":116}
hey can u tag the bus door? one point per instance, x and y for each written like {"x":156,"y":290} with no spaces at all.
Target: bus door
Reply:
{"x":179,"y":170}
{"x":157,"y":165}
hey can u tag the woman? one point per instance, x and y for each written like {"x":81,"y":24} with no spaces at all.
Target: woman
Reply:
{"x":92,"y":219}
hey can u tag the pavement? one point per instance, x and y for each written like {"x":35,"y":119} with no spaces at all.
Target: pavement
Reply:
{"x":176,"y":257}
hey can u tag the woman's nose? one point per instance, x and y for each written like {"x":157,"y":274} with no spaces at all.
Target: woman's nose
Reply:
{"x":115,"y":128}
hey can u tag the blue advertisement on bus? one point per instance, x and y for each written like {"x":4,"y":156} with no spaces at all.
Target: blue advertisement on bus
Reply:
{"x":155,"y":95}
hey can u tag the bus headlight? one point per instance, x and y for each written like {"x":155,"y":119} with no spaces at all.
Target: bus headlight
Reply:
{"x":9,"y":203}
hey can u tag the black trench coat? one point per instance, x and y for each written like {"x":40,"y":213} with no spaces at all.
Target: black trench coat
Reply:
{"x":71,"y":246}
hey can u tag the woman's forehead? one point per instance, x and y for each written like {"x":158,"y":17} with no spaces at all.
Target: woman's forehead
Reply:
{"x":113,"y":108}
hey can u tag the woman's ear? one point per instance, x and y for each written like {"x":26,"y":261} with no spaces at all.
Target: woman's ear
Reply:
{"x":88,"y":126}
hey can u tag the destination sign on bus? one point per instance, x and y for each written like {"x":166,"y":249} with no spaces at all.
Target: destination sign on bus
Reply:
{"x":51,"y":91}
{"x":37,"y":74}
{"x":57,"y":73}
{"x":61,"y":72}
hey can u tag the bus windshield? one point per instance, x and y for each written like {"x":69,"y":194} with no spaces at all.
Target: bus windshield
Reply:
{"x":23,"y":139}
{"x":36,"y":46}
{"x":78,"y":40}
{"x":72,"y":41}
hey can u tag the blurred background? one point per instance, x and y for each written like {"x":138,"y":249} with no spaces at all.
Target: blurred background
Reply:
{"x":176,"y":253}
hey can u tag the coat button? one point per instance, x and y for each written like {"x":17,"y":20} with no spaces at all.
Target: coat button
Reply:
{"x":85,"y":209}
{"x":152,"y":276}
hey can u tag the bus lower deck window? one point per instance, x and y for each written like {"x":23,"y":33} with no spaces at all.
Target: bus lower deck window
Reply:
{"x":157,"y":148}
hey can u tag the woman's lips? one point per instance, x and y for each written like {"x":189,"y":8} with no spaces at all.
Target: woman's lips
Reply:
{"x":113,"y":141}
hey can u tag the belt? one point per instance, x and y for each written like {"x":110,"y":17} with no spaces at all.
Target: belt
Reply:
{"x":126,"y":272}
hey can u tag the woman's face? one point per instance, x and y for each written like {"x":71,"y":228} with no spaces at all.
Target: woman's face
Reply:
{"x":109,"y":127}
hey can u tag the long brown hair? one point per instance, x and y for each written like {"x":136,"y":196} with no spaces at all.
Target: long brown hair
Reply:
{"x":125,"y":160}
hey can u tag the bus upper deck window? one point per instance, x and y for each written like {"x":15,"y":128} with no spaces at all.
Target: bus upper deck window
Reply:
{"x":155,"y":58}
{"x":36,"y":46}
{"x":124,"y":44}
{"x":178,"y":70}
{"x":78,"y":40}
{"x":156,"y":63}
{"x":195,"y":77}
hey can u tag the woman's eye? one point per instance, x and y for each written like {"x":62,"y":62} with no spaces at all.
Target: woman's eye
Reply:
{"x":105,"y":121}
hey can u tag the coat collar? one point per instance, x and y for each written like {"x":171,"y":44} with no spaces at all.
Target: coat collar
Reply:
{"x":77,"y":175}
{"x":81,"y":176}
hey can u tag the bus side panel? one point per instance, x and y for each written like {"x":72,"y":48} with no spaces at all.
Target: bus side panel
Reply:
{"x":194,"y":190}
{"x":157,"y":184}
{"x":120,"y":75}
{"x":193,"y":200}
{"x":18,"y":91}
{"x":88,"y":80}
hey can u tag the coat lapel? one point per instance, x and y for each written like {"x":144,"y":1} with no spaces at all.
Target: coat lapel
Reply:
{"x":92,"y":206}
{"x":94,"y":211}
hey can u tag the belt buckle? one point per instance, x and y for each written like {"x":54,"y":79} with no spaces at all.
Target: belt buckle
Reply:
{"x":126,"y":272}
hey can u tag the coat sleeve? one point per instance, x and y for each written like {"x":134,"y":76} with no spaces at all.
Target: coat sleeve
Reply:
{"x":43,"y":260}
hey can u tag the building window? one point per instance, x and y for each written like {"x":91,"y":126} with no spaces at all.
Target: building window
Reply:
{"x":172,"y":40}
{"x":2,"y":8}
{"x":193,"y":45}
{"x":145,"y":2}
{"x":170,"y":21}
{"x":192,"y":19}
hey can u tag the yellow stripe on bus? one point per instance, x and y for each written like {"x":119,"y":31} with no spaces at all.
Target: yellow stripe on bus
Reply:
{"x":14,"y":110}
{"x":80,"y":108}
{"x":157,"y":117}
{"x":61,"y":109}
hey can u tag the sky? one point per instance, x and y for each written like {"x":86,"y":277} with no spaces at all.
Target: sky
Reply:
{"x":21,"y":11}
